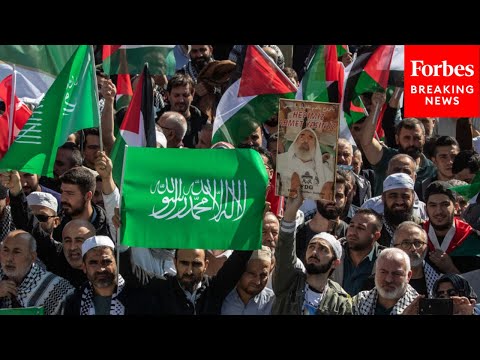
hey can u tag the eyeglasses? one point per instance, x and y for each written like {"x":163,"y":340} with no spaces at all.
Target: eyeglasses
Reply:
{"x":407,"y":245}
{"x":446,"y":293}
{"x":44,"y":218}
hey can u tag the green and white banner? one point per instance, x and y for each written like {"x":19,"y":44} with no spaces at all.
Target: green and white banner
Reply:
{"x":194,"y":199}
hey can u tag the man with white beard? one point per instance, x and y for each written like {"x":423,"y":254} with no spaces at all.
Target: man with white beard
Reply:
{"x":392,"y":293}
{"x":303,"y":162}
{"x":412,"y":239}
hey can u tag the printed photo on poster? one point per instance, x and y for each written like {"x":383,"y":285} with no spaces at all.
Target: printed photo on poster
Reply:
{"x":308,"y":134}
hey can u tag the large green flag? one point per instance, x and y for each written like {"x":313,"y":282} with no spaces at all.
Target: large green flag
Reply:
{"x":193,"y":199}
{"x":69,"y":105}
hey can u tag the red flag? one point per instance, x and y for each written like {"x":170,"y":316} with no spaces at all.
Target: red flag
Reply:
{"x":21,"y":113}
{"x":263,"y":77}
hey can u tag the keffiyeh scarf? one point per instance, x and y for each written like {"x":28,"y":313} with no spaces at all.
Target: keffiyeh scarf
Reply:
{"x":39,"y":288}
{"x":87,"y":306}
{"x":6,"y":223}
{"x":430,"y":277}
{"x":366,"y":302}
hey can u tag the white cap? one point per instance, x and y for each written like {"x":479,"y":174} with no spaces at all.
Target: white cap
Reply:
{"x":161,"y":139}
{"x":398,"y":181}
{"x":96,"y":241}
{"x":332,"y":240}
{"x":42,"y":199}
{"x":264,"y":254}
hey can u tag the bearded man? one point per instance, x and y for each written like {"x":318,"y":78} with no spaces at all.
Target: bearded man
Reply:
{"x":392,"y":292}
{"x":303,"y":160}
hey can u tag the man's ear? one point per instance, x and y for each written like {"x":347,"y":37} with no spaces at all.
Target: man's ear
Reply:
{"x":89,"y":195}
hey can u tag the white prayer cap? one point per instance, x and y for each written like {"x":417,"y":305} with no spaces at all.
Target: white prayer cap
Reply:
{"x":42,"y":199}
{"x":96,"y":241}
{"x":265,"y":254}
{"x":161,"y":139}
{"x":332,"y":240}
{"x":398,"y":181}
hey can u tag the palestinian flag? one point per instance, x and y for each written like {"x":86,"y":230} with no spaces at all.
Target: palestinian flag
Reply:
{"x":129,"y":59}
{"x":397,"y":68}
{"x":21,"y":113}
{"x":342,"y":49}
{"x":369,"y":73}
{"x":323,"y":80}
{"x":252,"y":99}
{"x":138,"y":125}
{"x":37,"y":67}
{"x":123,"y":81}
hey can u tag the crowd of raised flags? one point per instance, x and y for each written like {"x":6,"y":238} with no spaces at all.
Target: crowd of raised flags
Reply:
{"x":69,"y":97}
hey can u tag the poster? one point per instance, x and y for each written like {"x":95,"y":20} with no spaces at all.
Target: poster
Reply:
{"x":308,"y":133}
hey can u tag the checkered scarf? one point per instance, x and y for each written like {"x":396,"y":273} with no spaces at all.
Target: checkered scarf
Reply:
{"x":87,"y":306}
{"x":365,"y":302}
{"x":6,"y":223}
{"x":39,"y":288}
{"x":430,"y":277}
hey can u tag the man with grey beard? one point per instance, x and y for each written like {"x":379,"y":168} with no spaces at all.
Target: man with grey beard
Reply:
{"x":412,"y":239}
{"x":397,"y":198}
{"x":392,"y":292}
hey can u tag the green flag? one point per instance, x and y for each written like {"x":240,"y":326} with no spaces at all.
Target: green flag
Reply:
{"x":37,"y":66}
{"x":69,"y":105}
{"x":193,"y":199}
{"x":23,"y":311}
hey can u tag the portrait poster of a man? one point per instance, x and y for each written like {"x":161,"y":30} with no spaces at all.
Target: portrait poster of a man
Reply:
{"x":309,"y":132}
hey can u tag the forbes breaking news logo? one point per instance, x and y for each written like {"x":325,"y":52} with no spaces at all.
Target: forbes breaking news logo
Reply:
{"x":442,"y":81}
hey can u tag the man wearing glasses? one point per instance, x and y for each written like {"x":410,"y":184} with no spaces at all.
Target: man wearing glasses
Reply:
{"x":411,"y":238}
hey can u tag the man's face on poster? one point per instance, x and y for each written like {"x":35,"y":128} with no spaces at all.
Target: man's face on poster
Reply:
{"x":305,"y":145}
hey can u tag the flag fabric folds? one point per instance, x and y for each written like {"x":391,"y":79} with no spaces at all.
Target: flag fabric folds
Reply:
{"x":70,"y":104}
{"x":21,"y":113}
{"x":252,"y":99}
{"x":129,"y":59}
{"x":323,"y":80}
{"x":175,"y":198}
{"x":37,"y":67}
{"x":369,"y":73}
{"x":138,"y":125}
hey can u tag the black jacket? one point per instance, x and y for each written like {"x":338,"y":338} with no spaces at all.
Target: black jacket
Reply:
{"x":136,"y":301}
{"x":171,"y":299}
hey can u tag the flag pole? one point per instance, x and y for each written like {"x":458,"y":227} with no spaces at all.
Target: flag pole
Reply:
{"x":119,"y":212}
{"x":12,"y":107}
{"x":92,"y":54}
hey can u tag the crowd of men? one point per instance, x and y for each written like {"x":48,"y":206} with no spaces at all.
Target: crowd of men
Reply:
{"x":392,"y":235}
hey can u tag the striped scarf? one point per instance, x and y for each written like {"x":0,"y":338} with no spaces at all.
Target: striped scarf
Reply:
{"x":87,"y":306}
